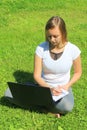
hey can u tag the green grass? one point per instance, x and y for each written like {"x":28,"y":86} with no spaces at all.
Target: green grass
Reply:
{"x":21,"y":30}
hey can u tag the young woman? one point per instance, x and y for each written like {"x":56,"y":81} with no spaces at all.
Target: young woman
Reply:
{"x":53,"y":61}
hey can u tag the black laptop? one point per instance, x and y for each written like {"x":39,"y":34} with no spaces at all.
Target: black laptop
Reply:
{"x":26,"y":95}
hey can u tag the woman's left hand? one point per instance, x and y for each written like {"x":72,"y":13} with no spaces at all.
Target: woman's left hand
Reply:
{"x":59,"y":88}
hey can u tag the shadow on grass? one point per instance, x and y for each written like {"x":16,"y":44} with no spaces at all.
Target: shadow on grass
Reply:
{"x":5,"y":102}
{"x":25,"y":78}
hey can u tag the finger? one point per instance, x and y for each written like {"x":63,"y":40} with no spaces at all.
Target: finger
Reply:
{"x":56,"y":93}
{"x":58,"y":90}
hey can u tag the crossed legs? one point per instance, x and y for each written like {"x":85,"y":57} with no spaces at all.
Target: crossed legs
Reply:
{"x":65,"y":105}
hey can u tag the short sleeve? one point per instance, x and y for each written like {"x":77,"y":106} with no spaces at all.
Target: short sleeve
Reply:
{"x":39,"y":51}
{"x":42,"y":49}
{"x":75,"y":52}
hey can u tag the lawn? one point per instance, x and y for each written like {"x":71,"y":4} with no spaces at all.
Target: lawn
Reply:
{"x":22,"y":25}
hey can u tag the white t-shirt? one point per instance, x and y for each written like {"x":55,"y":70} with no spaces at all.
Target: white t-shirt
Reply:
{"x":57,"y":72}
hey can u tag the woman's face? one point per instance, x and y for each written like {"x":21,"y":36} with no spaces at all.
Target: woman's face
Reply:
{"x":54,"y":36}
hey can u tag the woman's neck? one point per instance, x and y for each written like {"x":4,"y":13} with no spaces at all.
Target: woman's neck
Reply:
{"x":57,"y":49}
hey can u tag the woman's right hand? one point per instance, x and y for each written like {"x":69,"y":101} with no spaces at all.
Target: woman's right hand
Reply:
{"x":56,"y":91}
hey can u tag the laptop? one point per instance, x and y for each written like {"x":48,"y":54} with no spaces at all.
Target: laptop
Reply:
{"x":26,"y":95}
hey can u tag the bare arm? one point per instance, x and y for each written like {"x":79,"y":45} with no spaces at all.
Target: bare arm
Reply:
{"x":38,"y":71}
{"x":77,"y":73}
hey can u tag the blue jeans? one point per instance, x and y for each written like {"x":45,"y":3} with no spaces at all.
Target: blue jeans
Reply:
{"x":64,"y":105}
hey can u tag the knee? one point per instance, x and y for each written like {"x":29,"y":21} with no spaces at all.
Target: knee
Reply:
{"x":64,"y":107}
{"x":67,"y":108}
{"x":8,"y":93}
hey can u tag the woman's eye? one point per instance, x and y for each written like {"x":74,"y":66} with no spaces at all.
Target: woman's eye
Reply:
{"x":49,"y":37}
{"x":56,"y":36}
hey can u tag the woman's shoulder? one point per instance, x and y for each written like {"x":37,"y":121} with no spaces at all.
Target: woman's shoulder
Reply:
{"x":73,"y":50}
{"x":72,"y":46}
{"x":44,"y":45}
{"x":42,"y":48}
